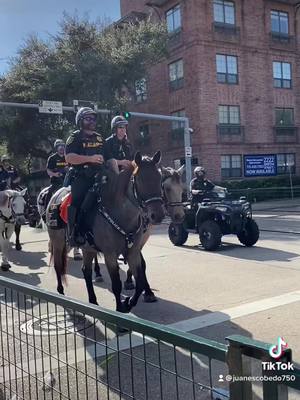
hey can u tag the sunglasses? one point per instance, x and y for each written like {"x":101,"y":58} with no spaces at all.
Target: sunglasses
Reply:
{"x":90,"y":119}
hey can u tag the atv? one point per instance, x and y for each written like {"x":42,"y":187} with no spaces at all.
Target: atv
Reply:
{"x":214,"y":217}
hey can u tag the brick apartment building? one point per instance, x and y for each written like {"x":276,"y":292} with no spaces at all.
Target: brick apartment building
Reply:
{"x":233,"y":69}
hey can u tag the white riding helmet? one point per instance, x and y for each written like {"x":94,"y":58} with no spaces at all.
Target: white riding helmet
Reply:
{"x":82,"y":112}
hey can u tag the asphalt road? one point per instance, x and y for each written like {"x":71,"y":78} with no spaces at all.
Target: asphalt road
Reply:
{"x":254,"y":292}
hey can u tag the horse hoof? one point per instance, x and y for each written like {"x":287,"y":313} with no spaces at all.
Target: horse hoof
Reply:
{"x":99,"y":278}
{"x":150,"y":298}
{"x":18,"y":247}
{"x":125,"y":305}
{"x":120,"y":330}
{"x":5,"y":267}
{"x":128,"y":285}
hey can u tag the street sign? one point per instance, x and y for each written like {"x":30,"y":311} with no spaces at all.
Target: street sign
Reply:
{"x":188,"y":151}
{"x":50,"y":107}
{"x":260,"y":165}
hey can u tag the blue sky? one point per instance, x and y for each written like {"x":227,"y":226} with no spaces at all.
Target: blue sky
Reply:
{"x":18,"y":18}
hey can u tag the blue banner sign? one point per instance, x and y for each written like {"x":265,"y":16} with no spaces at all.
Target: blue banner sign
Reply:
{"x":260,"y":165}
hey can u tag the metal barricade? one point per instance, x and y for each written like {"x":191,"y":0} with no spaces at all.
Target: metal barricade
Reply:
{"x":54,"y":347}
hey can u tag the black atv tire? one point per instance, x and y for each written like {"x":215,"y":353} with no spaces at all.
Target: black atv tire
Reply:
{"x":177,"y":234}
{"x":250,"y":235}
{"x":210,"y":235}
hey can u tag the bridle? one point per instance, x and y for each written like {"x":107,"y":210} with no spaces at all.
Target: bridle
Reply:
{"x":166,"y":202}
{"x":145,"y":202}
{"x":14,"y":215}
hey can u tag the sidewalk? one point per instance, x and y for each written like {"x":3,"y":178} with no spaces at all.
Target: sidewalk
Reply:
{"x":288,"y":204}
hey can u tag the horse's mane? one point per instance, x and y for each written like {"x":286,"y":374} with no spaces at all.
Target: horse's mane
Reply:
{"x":169,"y":172}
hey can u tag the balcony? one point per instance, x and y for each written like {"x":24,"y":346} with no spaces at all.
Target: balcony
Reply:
{"x":176,"y":137}
{"x":156,"y":3}
{"x":282,"y":41}
{"x":285,"y":134}
{"x":174,"y":39}
{"x":230,"y":133}
{"x":226,"y":32}
{"x":176,"y":84}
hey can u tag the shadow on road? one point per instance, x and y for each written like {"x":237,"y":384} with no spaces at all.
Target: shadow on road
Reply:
{"x":30,"y":259}
{"x":255,"y":253}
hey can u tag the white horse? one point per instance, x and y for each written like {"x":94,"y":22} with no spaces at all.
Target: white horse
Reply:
{"x":12,"y":205}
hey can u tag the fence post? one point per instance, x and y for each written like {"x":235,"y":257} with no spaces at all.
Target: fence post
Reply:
{"x":238,"y":366}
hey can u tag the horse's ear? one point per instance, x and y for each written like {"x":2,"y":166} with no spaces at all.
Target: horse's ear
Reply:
{"x":23,"y":192}
{"x":138,"y":158}
{"x":181,"y":170}
{"x":157,"y":157}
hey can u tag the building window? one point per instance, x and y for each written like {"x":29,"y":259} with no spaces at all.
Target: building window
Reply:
{"x":286,"y":164}
{"x":176,"y":75}
{"x":141,"y":90}
{"x":282,"y":74}
{"x":177,"y":127}
{"x":231,"y":166}
{"x":173,"y":18}
{"x":224,"y":12}
{"x":229,"y":120}
{"x":279,"y":23}
{"x":284,"y":117}
{"x":227,"y":69}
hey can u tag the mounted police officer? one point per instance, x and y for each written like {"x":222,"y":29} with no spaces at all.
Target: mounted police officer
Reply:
{"x":14,"y":178}
{"x":85,"y":152}
{"x":200,"y":186}
{"x":118,"y":150}
{"x":4,"y":177}
{"x":56,"y":169}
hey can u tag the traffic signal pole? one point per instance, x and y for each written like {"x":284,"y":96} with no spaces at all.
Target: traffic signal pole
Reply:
{"x":160,"y":117}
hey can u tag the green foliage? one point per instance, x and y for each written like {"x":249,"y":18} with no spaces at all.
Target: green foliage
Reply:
{"x":86,"y":61}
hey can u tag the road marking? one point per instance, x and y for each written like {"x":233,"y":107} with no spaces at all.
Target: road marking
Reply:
{"x":123,"y":343}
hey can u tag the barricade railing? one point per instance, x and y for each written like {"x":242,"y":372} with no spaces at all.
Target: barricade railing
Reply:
{"x":55,"y":347}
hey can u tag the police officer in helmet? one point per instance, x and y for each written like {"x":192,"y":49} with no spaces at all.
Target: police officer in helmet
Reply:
{"x":200,"y":186}
{"x":13,"y":173}
{"x":84,"y":151}
{"x":118,"y":150}
{"x":56,"y":164}
{"x":5,"y":178}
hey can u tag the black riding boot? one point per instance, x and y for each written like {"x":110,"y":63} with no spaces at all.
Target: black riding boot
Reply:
{"x":74,"y":237}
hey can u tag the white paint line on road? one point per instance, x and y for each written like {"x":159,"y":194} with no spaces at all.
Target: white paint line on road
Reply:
{"x":203,"y":321}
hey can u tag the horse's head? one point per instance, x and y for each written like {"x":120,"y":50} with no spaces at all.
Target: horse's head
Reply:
{"x":147,"y":181}
{"x":172,"y":192}
{"x":17,"y":205}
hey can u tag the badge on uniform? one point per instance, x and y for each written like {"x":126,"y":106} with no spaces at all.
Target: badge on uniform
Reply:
{"x":99,"y":138}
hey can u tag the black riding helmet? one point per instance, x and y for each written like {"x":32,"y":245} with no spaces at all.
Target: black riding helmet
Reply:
{"x":118,"y":121}
{"x":82,"y":112}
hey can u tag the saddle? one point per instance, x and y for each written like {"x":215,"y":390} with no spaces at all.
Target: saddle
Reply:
{"x":58,"y":212}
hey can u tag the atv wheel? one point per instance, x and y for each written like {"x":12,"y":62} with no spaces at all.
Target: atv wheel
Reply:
{"x":177,"y":234}
{"x":250,"y":235}
{"x":210,"y":235}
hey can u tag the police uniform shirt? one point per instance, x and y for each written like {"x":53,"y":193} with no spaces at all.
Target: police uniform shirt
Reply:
{"x":115,"y":148}
{"x":57,"y":163}
{"x":201,"y":184}
{"x":85,"y":145}
{"x":4,"y":177}
{"x":13,"y":174}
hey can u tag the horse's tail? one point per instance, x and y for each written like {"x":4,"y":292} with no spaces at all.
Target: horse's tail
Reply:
{"x":58,"y":259}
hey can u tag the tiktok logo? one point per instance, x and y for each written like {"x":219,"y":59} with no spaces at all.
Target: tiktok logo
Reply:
{"x":277,"y":350}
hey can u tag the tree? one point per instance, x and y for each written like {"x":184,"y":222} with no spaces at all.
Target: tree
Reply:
{"x":85,"y":60}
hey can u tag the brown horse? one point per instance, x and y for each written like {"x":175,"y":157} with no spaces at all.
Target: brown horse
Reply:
{"x":118,"y":227}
